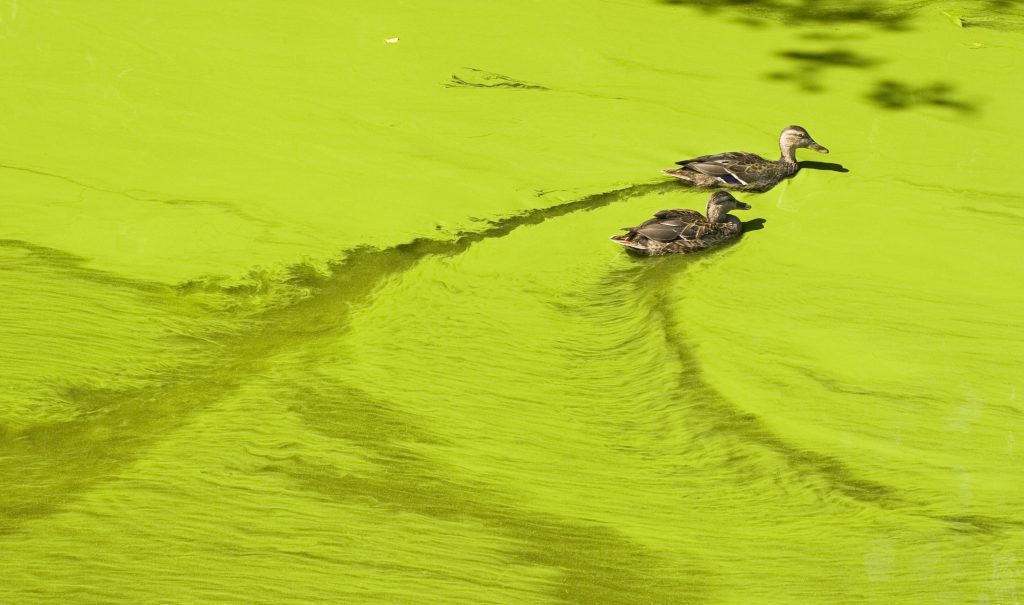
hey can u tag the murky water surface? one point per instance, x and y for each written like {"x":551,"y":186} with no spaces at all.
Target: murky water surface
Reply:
{"x":317,"y":304}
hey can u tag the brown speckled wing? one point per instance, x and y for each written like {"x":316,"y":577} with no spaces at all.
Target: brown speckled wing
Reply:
{"x":733,"y":168}
{"x":680,"y":214}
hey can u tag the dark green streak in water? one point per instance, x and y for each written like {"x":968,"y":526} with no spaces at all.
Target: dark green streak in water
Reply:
{"x":598,"y":563}
{"x":719,"y":416}
{"x":115,"y":427}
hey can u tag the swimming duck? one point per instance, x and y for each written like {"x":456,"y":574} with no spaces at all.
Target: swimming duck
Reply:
{"x":680,"y":231}
{"x":747,"y":171}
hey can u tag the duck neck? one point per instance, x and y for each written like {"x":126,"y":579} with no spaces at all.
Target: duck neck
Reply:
{"x":716,"y":214}
{"x":788,"y":153}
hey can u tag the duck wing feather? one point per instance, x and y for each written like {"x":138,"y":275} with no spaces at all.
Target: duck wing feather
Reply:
{"x":679,"y":214}
{"x":672,"y":225}
{"x":733,"y":167}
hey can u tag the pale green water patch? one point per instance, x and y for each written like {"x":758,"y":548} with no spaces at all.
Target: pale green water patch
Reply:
{"x":319,"y":305}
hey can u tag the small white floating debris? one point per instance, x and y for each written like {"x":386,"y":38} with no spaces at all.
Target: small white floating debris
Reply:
{"x":391,"y":40}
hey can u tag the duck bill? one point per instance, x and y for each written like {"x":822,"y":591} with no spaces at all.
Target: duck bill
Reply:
{"x":742,"y":205}
{"x":817,"y":147}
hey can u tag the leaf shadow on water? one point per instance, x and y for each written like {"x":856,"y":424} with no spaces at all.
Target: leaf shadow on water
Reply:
{"x":993,"y":14}
{"x":894,"y":95}
{"x":805,"y":12}
{"x":808,"y":68}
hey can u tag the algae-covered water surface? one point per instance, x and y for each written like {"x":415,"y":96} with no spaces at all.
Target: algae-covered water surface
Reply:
{"x":315,"y":302}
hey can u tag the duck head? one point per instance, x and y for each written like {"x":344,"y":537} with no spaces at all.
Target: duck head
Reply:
{"x":721,"y":203}
{"x":794,"y":137}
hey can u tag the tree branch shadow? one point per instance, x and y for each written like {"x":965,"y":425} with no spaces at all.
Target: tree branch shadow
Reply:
{"x":805,"y":12}
{"x":897,"y":96}
{"x":809,"y":66}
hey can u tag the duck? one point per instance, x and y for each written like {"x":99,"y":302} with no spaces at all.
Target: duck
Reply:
{"x":739,"y":170}
{"x":680,"y":231}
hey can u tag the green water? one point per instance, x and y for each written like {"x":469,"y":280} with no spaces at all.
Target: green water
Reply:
{"x":291,"y":313}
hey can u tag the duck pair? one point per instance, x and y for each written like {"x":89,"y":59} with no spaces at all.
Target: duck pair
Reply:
{"x":680,"y":231}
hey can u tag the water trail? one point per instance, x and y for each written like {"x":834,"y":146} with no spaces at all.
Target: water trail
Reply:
{"x":68,"y":457}
{"x":714,"y":414}
{"x":717,"y":416}
{"x":67,"y":264}
{"x":596,"y":563}
{"x":118,"y":424}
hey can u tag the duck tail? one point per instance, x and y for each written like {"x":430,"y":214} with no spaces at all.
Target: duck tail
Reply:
{"x":628,"y":240}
